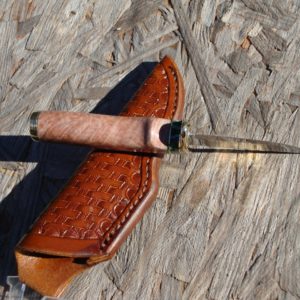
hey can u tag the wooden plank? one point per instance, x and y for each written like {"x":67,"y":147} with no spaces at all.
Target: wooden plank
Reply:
{"x":7,"y":29}
{"x":224,"y":226}
{"x":205,"y":86}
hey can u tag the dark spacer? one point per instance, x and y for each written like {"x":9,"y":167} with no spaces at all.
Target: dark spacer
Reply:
{"x":175,"y":136}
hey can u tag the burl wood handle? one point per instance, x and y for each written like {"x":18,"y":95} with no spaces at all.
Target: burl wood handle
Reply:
{"x":102,"y":131}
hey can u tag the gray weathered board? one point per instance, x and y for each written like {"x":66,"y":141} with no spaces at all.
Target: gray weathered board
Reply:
{"x":224,"y":226}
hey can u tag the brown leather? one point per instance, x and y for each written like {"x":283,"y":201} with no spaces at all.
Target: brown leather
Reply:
{"x":109,"y":193}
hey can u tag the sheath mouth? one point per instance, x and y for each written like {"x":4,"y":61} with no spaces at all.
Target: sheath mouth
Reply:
{"x":34,"y":125}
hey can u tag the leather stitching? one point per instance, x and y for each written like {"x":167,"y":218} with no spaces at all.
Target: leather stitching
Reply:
{"x":95,"y":204}
{"x":114,"y":229}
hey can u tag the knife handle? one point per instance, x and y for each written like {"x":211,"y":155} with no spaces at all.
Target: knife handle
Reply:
{"x":138,"y":134}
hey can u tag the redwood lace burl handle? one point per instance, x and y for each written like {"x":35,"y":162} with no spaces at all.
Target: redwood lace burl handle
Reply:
{"x":119,"y":133}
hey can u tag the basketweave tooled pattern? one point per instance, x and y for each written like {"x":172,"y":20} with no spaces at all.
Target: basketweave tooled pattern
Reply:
{"x":154,"y":101}
{"x":94,"y":199}
{"x":100,"y":196}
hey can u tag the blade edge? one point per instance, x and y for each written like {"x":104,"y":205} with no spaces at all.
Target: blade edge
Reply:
{"x":212,"y":143}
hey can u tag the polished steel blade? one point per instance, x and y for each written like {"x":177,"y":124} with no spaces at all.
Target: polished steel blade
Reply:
{"x":210,"y":143}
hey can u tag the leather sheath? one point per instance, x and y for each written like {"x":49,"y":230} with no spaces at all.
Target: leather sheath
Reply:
{"x":98,"y":208}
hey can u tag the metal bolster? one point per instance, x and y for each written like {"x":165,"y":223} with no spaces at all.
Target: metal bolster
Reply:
{"x":34,"y":117}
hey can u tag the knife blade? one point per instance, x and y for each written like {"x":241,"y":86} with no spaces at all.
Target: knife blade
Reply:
{"x":193,"y":142}
{"x":139,"y":134}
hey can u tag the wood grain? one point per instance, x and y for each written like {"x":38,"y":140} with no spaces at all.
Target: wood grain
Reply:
{"x":224,"y":226}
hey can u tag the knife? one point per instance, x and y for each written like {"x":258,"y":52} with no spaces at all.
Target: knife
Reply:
{"x":139,"y":134}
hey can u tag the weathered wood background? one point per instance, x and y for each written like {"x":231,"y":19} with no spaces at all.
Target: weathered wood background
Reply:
{"x":224,"y":226}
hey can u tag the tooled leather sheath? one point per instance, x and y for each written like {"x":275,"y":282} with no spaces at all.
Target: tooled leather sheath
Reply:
{"x":98,"y":208}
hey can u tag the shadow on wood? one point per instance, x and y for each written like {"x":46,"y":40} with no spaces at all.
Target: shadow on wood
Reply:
{"x":55,"y":165}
